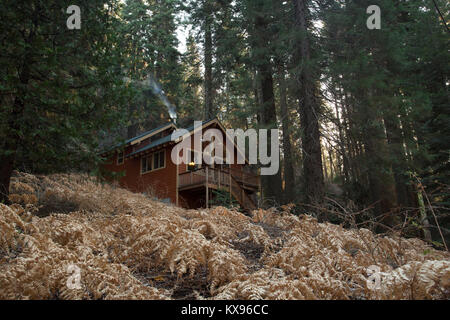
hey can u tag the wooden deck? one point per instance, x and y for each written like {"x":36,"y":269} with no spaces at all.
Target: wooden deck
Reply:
{"x":237,"y":182}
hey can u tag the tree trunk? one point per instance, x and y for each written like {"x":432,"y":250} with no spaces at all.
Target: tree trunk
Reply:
{"x":267,"y":112}
{"x":397,"y":151}
{"x":350,"y":141}
{"x":330,"y":157}
{"x":341,"y":142}
{"x":325,"y":170}
{"x":132,"y":129}
{"x":209,"y":104}
{"x":381,"y":182}
{"x":7,"y":166}
{"x":11,"y":140}
{"x":309,"y":109}
{"x":289,"y":178}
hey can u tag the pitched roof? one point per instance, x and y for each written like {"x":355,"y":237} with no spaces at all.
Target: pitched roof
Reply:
{"x":163,"y":140}
{"x":191,"y":128}
{"x":148,"y":133}
{"x":155,"y":143}
{"x":142,"y":136}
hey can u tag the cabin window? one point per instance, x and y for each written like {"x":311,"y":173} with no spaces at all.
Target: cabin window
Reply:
{"x":153,"y":162}
{"x":146,"y":164}
{"x":159,"y":160}
{"x":120,"y":157}
{"x":193,"y":160}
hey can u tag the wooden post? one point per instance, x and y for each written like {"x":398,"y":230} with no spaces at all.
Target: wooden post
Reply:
{"x":229,"y":177}
{"x":177,"y":184}
{"x":207,"y":189}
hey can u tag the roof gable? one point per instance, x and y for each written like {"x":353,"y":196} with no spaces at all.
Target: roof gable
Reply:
{"x":191,"y":130}
{"x":149,"y":134}
{"x":141,"y":137}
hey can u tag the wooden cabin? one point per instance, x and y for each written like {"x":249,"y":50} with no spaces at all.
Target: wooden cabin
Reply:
{"x":148,"y":167}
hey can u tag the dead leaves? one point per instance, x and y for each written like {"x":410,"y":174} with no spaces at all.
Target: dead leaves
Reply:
{"x":118,"y":239}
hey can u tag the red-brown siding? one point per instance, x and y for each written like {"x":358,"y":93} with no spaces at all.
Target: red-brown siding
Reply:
{"x":160,"y":183}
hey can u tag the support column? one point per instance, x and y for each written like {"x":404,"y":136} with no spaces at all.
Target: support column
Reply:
{"x":207,"y":188}
{"x":177,"y":184}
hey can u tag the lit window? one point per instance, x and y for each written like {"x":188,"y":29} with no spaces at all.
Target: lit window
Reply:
{"x":193,"y":160}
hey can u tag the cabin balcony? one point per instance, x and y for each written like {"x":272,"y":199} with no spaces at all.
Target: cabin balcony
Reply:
{"x":220,"y":178}
{"x":241,"y":185}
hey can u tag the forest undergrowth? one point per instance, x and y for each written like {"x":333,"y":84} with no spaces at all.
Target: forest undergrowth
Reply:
{"x":128,"y":246}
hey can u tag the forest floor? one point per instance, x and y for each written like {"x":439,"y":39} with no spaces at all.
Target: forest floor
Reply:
{"x":68,"y":237}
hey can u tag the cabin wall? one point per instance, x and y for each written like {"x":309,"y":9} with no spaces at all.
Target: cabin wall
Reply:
{"x":235,"y":165}
{"x":161,"y":183}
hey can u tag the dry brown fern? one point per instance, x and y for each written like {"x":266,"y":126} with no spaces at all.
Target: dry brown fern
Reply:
{"x":121,"y":242}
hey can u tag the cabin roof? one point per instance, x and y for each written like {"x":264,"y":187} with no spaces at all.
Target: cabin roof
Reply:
{"x":141,"y":137}
{"x":155,"y":143}
{"x":163,"y":140}
{"x":168,"y":139}
{"x":147,"y":133}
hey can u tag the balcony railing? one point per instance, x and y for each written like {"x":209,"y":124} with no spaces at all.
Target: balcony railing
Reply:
{"x":218,"y":177}
{"x":221,"y":178}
